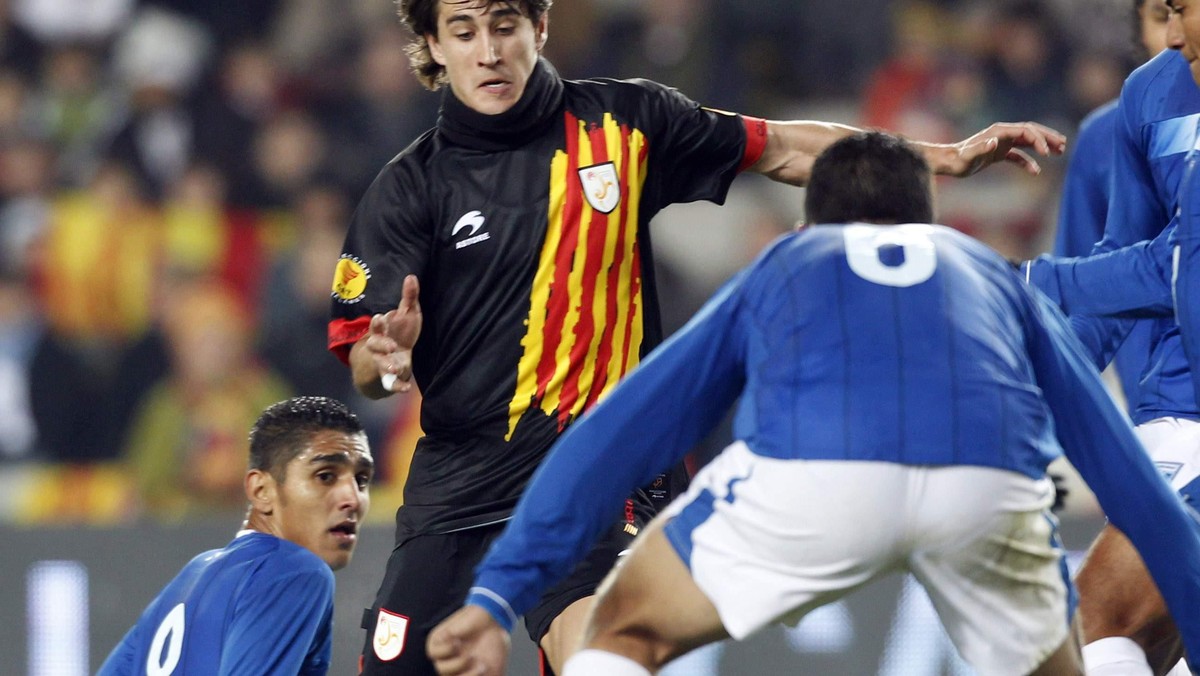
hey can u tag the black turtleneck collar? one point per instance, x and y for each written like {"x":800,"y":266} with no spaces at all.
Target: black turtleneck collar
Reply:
{"x":540,"y":104}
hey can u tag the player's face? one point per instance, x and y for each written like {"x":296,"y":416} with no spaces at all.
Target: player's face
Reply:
{"x":1153,"y":16}
{"x":1183,"y":32}
{"x":488,"y":51}
{"x":323,"y":497}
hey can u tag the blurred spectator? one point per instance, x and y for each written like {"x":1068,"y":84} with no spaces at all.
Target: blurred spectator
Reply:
{"x":75,"y":21}
{"x":383,"y":112}
{"x":74,"y":108}
{"x":20,"y":327}
{"x":905,"y":93}
{"x":228,"y":22}
{"x":15,"y":114}
{"x":19,"y":51}
{"x":96,"y":272}
{"x":288,"y":153}
{"x":204,"y":236}
{"x":657,"y":40}
{"x":247,"y":91}
{"x":295,"y":310}
{"x":186,"y":447}
{"x":158,"y":59}
{"x":1026,"y":65}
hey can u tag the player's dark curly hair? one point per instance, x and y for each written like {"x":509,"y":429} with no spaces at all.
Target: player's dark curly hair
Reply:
{"x":285,"y":429}
{"x":420,"y":16}
{"x":870,"y":177}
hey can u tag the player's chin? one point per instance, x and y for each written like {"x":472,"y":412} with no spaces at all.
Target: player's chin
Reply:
{"x":339,"y":558}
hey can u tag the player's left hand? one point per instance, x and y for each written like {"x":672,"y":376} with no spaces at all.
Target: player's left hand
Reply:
{"x":1001,"y":142}
{"x":469,"y":642}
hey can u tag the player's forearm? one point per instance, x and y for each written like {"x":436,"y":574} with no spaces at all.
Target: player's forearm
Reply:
{"x":1133,"y":281}
{"x":793,"y":146}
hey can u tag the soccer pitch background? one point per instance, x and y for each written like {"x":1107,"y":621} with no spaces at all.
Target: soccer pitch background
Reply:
{"x":72,"y":593}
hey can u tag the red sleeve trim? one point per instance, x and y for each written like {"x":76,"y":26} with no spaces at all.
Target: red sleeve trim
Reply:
{"x":344,"y":333}
{"x":756,"y":141}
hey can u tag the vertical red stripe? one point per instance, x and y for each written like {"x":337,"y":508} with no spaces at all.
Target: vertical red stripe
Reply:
{"x":594,"y":258}
{"x":635,"y":288}
{"x":559,"y":297}
{"x":605,"y":353}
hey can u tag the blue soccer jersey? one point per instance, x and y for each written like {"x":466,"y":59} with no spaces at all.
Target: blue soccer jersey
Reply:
{"x":261,"y":605}
{"x":1155,"y":129}
{"x":911,"y":344}
{"x":1082,"y":212}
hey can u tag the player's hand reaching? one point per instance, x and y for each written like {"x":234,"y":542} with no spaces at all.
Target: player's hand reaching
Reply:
{"x":382,"y":359}
{"x":469,"y":642}
{"x":1001,"y":142}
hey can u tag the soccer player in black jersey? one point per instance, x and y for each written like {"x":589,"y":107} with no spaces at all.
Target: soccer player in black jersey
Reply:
{"x":502,"y":263}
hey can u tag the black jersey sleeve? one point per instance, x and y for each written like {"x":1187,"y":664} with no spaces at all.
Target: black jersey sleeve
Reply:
{"x":390,"y":237}
{"x":695,"y":152}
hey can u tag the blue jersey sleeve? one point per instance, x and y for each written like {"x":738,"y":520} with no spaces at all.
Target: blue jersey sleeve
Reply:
{"x":1133,"y":281}
{"x":282,"y":625}
{"x":1100,"y":443}
{"x":647,"y":423}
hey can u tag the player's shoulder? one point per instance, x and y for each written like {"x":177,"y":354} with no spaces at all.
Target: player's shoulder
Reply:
{"x":1097,"y":126}
{"x":628,"y":99}
{"x":1159,"y":83}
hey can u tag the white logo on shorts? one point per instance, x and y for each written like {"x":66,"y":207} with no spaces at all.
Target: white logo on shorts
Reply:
{"x":1168,"y":469}
{"x":390,"y":632}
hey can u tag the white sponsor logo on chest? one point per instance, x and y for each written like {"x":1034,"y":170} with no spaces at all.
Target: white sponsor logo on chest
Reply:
{"x":473,"y":220}
{"x":601,"y":186}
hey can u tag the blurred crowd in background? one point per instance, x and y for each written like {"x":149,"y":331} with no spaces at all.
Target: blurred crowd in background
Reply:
{"x":176,"y":178}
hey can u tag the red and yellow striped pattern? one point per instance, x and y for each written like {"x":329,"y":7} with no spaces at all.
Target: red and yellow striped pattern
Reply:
{"x":585,"y":324}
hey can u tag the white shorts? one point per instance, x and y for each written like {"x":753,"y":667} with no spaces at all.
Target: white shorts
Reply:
{"x":1174,"y":446}
{"x":770,"y":540}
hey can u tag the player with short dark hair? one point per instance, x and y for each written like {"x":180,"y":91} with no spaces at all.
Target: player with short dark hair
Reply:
{"x":513,"y":240}
{"x":263,"y":604}
{"x":901,"y":393}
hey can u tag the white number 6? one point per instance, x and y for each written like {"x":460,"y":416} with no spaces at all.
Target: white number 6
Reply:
{"x":863,"y":243}
{"x":171,"y":630}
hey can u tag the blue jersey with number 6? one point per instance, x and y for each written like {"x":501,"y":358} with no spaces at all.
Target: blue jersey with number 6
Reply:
{"x":261,"y":605}
{"x":910,"y":344}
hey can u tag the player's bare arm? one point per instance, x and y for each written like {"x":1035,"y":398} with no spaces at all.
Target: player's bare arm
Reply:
{"x":792,"y":146}
{"x":469,"y":642}
{"x":381,"y":361}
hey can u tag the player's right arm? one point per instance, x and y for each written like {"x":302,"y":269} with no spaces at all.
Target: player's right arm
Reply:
{"x":792,"y":147}
{"x":375,"y":310}
{"x":1100,"y":443}
{"x":381,"y":361}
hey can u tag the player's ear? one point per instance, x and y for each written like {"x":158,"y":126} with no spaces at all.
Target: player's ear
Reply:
{"x":542,"y":30}
{"x":435,"y":49}
{"x":260,"y":491}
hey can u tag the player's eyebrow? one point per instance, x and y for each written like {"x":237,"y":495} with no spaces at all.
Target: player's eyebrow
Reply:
{"x":492,"y":15}
{"x":364,"y":461}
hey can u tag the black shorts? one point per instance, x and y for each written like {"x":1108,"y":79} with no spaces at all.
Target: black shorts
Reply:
{"x":428,"y":577}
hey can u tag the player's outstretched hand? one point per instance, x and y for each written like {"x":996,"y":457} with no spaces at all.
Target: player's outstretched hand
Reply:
{"x":382,"y":360}
{"x":468,"y":642}
{"x":1001,"y":142}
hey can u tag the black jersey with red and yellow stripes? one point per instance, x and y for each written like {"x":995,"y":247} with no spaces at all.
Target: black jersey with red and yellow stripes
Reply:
{"x":530,"y":240}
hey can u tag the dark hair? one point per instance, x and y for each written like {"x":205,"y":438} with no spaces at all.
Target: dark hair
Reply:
{"x":870,"y":177}
{"x":284,"y":430}
{"x":420,"y":16}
